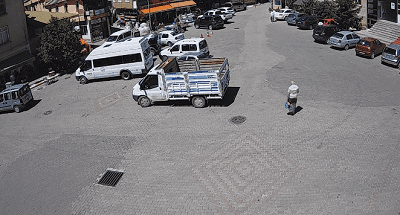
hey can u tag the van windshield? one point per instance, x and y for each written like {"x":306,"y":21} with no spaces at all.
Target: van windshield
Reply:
{"x":202,"y":44}
{"x":24,"y":90}
{"x":173,"y":33}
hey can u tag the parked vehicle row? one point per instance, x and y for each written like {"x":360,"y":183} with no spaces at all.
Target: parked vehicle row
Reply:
{"x":327,"y":31}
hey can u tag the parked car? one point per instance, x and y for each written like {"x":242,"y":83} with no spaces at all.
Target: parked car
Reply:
{"x":344,"y":39}
{"x":283,"y":13}
{"x":322,"y":33}
{"x":169,"y":37}
{"x":391,"y":55}
{"x":15,"y":97}
{"x":120,"y":36}
{"x":210,"y":22}
{"x":370,"y":47}
{"x":292,"y":18}
{"x":307,"y":22}
{"x":224,"y":16}
{"x":191,"y":56}
{"x":237,"y":6}
{"x":227,"y":10}
{"x":192,"y":45}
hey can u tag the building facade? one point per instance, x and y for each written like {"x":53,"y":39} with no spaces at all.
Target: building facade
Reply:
{"x":15,"y":55}
{"x":382,"y":10}
{"x":92,"y":16}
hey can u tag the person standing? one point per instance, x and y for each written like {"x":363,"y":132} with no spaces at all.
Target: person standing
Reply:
{"x":292,"y":97}
{"x":273,"y":16}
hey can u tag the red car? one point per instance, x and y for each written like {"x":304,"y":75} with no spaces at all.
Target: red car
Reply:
{"x":370,"y":47}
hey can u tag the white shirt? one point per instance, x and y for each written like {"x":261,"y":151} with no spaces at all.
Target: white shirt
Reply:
{"x":293,"y":91}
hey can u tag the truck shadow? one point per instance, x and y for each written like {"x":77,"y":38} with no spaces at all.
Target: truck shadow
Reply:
{"x":229,"y":98}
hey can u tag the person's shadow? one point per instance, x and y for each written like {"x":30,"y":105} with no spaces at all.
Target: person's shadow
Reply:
{"x":298,"y":109}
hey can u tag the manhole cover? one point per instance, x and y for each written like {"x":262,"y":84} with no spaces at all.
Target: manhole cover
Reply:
{"x":238,"y":119}
{"x":48,"y":112}
{"x":110,"y":177}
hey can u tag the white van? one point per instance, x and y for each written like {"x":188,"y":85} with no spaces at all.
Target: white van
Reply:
{"x":120,"y":36}
{"x":124,"y":59}
{"x":192,"y":45}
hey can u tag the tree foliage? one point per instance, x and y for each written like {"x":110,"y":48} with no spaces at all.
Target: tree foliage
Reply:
{"x":347,"y":14}
{"x":60,"y":46}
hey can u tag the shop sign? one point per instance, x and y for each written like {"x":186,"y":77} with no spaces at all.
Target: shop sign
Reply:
{"x":392,"y":5}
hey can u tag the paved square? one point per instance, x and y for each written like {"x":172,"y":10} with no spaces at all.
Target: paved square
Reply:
{"x":108,"y":100}
{"x":243,"y":174}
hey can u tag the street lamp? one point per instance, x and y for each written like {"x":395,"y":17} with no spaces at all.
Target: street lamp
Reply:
{"x":148,"y":6}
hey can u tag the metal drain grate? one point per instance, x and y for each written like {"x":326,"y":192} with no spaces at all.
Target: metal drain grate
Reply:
{"x":238,"y":119}
{"x":110,"y":177}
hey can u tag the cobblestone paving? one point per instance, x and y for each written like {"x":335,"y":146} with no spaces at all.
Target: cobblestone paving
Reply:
{"x":337,"y":155}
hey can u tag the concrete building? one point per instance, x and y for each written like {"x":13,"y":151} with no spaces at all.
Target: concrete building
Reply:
{"x":15,"y":54}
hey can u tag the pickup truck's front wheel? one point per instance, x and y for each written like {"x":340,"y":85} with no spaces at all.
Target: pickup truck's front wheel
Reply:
{"x":199,"y":102}
{"x":144,"y":101}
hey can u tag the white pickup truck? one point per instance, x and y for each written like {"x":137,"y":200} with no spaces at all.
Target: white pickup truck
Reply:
{"x":195,"y":81}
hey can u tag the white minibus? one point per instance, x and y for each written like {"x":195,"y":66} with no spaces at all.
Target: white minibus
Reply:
{"x":126,"y":58}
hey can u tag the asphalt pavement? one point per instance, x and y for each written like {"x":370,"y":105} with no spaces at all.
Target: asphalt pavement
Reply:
{"x":339,"y":154}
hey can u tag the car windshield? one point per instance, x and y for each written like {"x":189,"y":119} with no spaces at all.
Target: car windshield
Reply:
{"x":174,"y":33}
{"x":338,"y":35}
{"x":281,"y":11}
{"x":112,"y":38}
{"x":390,"y":51}
{"x":364,"y":43}
{"x":291,"y":15}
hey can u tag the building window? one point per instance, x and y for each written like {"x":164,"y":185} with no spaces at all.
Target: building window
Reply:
{"x":66,"y":7}
{"x":127,"y":1}
{"x":120,"y":1}
{"x":77,"y":6}
{"x":56,"y":8}
{"x":2,"y":7}
{"x":50,"y":9}
{"x":4,"y":36}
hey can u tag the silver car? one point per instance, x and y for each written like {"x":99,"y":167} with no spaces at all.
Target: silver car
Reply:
{"x":344,"y":39}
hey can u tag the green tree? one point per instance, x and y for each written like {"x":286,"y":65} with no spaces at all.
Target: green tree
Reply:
{"x":308,"y":7}
{"x":347,"y":14}
{"x":60,"y":46}
{"x":325,"y":9}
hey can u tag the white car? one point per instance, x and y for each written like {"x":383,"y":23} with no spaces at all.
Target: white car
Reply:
{"x":224,"y":16}
{"x":283,"y":13}
{"x":193,"y":46}
{"x":169,"y":37}
{"x":227,"y":10}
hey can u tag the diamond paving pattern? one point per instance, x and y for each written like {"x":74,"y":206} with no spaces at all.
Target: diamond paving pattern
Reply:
{"x":243,"y":174}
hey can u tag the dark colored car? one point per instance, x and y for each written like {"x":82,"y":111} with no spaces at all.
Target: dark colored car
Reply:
{"x":210,"y":22}
{"x":292,"y":18}
{"x":322,"y":33}
{"x":370,"y":47}
{"x":307,"y":22}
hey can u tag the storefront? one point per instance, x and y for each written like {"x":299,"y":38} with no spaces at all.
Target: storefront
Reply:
{"x":96,"y":25}
{"x":382,"y":10}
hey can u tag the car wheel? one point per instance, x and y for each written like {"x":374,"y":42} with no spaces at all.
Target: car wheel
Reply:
{"x":372,"y":55}
{"x":125,"y":75}
{"x":197,"y":26}
{"x":346,"y":47}
{"x":169,"y":43}
{"x":210,"y":27}
{"x":17,"y":109}
{"x":199,"y":102}
{"x":83,"y":80}
{"x":144,"y":101}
